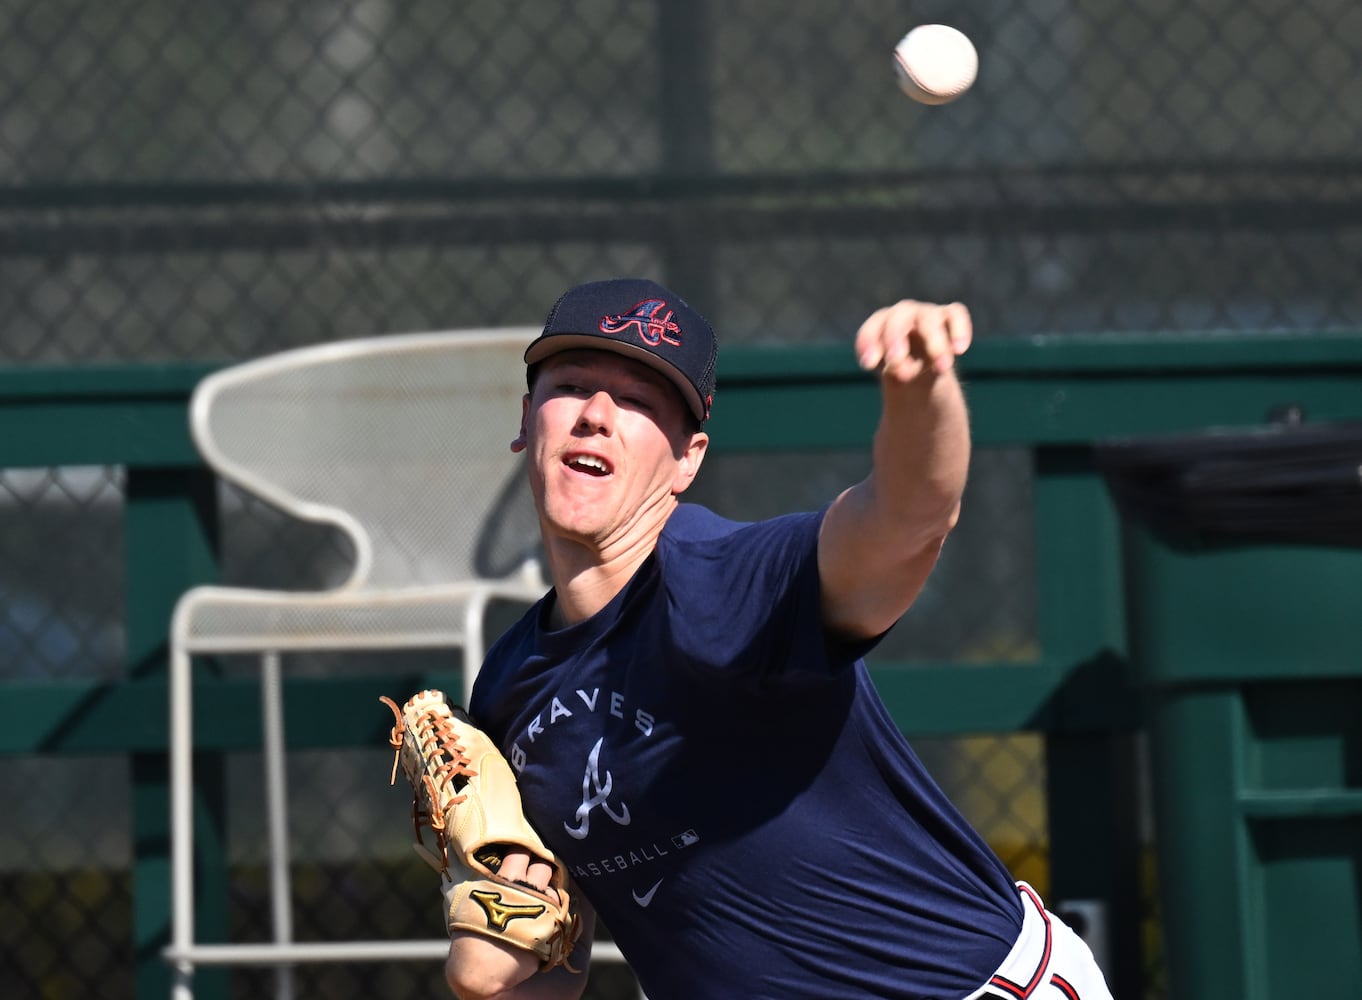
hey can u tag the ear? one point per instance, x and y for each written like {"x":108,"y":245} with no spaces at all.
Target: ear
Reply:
{"x":688,"y":465}
{"x":520,"y":444}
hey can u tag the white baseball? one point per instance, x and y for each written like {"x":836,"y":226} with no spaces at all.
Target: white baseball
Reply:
{"x":935,"y":63}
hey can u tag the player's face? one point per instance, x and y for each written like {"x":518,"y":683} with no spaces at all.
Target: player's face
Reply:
{"x":610,"y":446}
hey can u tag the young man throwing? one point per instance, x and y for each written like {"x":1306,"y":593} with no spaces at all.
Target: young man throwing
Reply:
{"x":687,"y":712}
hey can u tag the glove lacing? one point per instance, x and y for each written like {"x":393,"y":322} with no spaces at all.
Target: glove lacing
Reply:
{"x":441,"y":753}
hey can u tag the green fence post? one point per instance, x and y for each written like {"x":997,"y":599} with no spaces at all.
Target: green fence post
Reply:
{"x":170,"y":538}
{"x":1089,"y":745}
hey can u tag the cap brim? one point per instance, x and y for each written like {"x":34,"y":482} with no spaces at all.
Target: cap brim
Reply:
{"x":555,"y":343}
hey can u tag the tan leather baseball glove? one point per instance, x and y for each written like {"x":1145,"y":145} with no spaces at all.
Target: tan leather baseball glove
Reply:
{"x":465,"y":793}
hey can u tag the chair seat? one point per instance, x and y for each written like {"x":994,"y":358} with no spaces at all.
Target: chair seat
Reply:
{"x":233,"y":619}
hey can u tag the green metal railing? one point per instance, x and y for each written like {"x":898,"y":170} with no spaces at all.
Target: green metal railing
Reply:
{"x":1055,"y":396}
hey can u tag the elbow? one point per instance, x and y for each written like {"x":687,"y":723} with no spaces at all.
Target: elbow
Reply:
{"x":920,"y":513}
{"x":948,"y":518}
{"x":928,"y":532}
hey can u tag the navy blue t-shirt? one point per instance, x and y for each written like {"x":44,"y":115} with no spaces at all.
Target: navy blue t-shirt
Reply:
{"x":726,"y":787}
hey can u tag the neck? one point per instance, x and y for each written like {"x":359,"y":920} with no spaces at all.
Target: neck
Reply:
{"x":587,"y":576}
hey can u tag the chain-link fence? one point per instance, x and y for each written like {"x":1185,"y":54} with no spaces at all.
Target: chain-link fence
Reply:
{"x":191,"y":181}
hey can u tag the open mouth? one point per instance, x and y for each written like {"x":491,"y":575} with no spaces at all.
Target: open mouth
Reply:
{"x":590,"y":464}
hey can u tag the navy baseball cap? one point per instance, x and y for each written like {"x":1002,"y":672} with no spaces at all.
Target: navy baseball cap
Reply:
{"x":639,"y":319}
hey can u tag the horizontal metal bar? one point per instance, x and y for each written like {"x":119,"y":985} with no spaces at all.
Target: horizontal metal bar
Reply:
{"x":266,"y":954}
{"x":298,"y":953}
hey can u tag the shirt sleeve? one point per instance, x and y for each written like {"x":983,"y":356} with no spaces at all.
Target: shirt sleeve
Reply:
{"x":748,"y":602}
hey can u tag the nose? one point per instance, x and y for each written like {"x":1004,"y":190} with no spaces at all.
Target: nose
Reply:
{"x":598,"y":413}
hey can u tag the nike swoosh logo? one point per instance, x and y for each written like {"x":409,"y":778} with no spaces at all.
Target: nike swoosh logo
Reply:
{"x":647,"y":897}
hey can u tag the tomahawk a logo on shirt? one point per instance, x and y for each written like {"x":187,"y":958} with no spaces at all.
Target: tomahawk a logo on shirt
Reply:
{"x":595,"y":792}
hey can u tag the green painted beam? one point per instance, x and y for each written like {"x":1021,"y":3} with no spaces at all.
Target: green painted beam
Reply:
{"x":1080,"y":355}
{"x":1040,"y":409}
{"x":90,"y":717}
{"x":1023,"y":390}
{"x":950,"y":699}
{"x":1069,"y":389}
{"x":115,"y":415}
{"x":1302,"y":804}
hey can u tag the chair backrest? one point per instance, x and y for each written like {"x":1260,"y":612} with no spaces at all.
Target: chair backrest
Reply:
{"x":402,"y":441}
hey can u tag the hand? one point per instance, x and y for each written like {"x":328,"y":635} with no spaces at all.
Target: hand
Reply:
{"x":909,"y":338}
{"x":523,"y":867}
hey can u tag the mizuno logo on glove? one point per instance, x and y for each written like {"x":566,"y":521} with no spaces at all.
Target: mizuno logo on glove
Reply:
{"x":500,"y":914}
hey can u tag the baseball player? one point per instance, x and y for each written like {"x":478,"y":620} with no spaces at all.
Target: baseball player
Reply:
{"x":687,"y":714}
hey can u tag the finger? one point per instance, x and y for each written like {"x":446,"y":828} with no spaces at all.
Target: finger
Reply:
{"x":522,"y":867}
{"x":961,"y":327}
{"x":870,"y":340}
{"x":896,"y":337}
{"x":539,"y":874}
{"x":515,"y":866}
{"x":933,"y":337}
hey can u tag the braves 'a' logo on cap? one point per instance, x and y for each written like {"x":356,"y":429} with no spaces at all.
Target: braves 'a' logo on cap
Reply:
{"x":651,"y":319}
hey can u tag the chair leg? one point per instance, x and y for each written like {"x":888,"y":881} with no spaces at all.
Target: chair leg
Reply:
{"x":276,"y":812}
{"x":182,"y":982}
{"x":181,"y":820}
{"x":472,"y":644}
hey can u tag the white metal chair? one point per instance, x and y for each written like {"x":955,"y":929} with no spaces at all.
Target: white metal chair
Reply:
{"x":402,"y":443}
